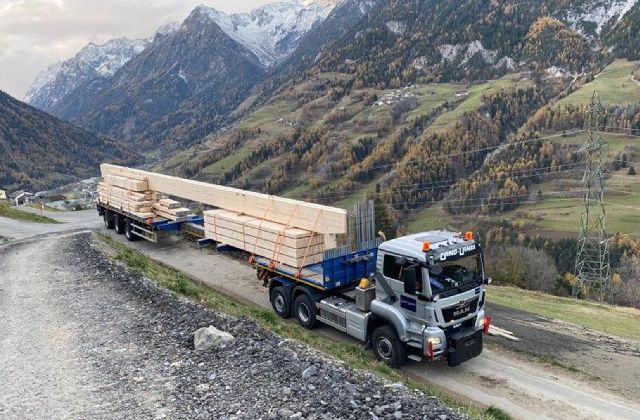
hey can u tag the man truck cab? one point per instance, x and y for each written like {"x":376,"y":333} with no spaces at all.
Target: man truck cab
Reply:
{"x":417,"y":296}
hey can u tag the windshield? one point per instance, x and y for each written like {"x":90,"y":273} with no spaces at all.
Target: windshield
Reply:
{"x":460,"y":273}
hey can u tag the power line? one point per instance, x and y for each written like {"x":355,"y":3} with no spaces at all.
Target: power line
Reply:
{"x":448,"y":183}
{"x":435,"y":157}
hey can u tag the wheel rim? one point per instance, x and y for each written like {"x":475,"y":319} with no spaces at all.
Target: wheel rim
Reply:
{"x":385,"y":348}
{"x":303,"y":313}
{"x":127,"y":232}
{"x":278,"y":302}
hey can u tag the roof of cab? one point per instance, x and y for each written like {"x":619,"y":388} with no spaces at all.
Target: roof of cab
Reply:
{"x":411,"y":245}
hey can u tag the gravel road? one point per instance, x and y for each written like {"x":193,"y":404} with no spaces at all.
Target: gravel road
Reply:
{"x":82,"y":337}
{"x":69,"y":220}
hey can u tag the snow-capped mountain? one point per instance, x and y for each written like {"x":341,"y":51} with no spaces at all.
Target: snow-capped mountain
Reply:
{"x":95,"y":61}
{"x":272,"y":31}
{"x":590,"y":17}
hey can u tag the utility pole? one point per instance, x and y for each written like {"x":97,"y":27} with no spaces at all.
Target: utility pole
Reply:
{"x":593,"y":270}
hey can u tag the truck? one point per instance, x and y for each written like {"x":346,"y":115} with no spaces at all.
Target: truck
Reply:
{"x":419,"y":296}
{"x":415,"y":297}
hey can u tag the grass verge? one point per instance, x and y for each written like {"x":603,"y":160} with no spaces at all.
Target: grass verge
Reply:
{"x":354,"y":355}
{"x":614,"y":320}
{"x":12,"y":213}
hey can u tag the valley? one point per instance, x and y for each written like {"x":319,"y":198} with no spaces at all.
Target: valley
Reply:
{"x":464,"y":115}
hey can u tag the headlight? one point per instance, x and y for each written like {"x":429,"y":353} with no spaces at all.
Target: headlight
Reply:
{"x":480,"y":321}
{"x":434,"y":340}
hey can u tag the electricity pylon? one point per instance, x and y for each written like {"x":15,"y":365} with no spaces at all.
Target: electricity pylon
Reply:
{"x":593,"y":269}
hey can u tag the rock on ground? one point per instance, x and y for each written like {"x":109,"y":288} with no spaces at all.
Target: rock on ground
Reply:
{"x":210,"y":337}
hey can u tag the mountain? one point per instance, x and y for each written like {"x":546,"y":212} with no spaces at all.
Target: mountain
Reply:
{"x":181,"y":82}
{"x":183,"y":85}
{"x":93,"y":62}
{"x":380,"y":93}
{"x":272,"y":32}
{"x":39,"y":151}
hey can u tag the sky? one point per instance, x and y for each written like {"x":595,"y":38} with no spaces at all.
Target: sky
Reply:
{"x":36,"y":33}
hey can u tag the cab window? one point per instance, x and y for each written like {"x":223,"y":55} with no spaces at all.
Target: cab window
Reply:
{"x":395,"y":271}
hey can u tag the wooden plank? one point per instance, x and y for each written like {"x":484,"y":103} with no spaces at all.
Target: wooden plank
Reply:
{"x":169,"y":203}
{"x":309,"y":216}
{"x":180,"y":212}
{"x":126,"y":183}
{"x":121,"y":192}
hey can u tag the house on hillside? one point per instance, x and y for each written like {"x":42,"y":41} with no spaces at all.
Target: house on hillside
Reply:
{"x":21,"y":198}
{"x":3,"y":195}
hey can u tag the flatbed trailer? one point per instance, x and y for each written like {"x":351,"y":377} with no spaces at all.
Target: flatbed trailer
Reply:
{"x":135,"y":228}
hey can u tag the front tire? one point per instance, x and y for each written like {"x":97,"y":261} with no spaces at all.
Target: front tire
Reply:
{"x":387,"y":346}
{"x":280,"y":302}
{"x":304,"y":309}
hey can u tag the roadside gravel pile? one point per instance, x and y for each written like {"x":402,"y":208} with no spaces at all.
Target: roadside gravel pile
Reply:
{"x":139,"y":342}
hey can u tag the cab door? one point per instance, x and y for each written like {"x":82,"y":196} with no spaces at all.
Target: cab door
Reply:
{"x":394,"y":272}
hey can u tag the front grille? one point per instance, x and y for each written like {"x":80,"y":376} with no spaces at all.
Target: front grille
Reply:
{"x":460,"y":310}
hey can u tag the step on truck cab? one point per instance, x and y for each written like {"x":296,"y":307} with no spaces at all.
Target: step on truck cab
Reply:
{"x":417,"y":296}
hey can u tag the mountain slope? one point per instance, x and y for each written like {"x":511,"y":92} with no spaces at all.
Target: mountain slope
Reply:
{"x":93,"y":62}
{"x":198,"y":72}
{"x":39,"y":151}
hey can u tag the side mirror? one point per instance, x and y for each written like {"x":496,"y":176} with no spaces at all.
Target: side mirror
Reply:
{"x":410,"y":282}
{"x":488,"y":280}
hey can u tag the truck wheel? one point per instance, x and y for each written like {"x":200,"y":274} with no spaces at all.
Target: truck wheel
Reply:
{"x":304,"y":309}
{"x":118,"y":224}
{"x":280,"y":302}
{"x":108,"y":219}
{"x":128,"y":232}
{"x":387,"y":346}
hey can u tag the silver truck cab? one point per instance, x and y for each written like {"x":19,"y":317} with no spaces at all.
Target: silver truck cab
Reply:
{"x":431,"y":287}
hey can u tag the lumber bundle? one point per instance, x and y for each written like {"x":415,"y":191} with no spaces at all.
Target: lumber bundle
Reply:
{"x":307,"y":216}
{"x":286,"y":245}
{"x":134,"y":202}
{"x":133,"y":196}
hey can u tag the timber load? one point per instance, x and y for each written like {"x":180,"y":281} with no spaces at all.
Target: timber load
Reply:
{"x":285,"y":231}
{"x":283,"y":244}
{"x":134,"y":196}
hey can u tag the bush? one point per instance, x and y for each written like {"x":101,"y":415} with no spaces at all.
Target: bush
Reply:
{"x":521,"y":266}
{"x":625,"y":286}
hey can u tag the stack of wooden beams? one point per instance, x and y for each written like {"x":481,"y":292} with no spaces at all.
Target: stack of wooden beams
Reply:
{"x":134,"y":196}
{"x":129,"y":195}
{"x":171,"y":209}
{"x":285,"y":245}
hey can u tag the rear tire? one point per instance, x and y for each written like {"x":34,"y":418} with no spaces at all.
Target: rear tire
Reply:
{"x":280,"y":302}
{"x":108,"y":219}
{"x":119,"y":224}
{"x":387,"y":346}
{"x":304,"y":309}
{"x":128,"y":232}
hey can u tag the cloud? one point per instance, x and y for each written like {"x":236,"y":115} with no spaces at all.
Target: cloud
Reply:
{"x":36,"y":33}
